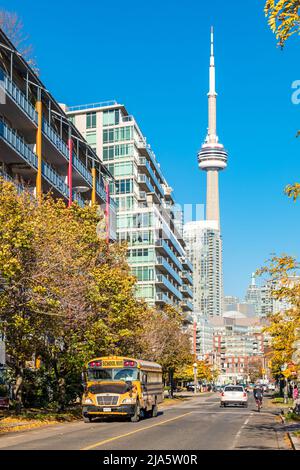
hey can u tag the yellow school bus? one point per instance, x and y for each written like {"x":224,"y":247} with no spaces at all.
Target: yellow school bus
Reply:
{"x":121,"y":386}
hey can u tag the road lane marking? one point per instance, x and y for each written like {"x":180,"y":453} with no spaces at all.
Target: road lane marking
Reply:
{"x":101,"y":443}
{"x":240,"y":431}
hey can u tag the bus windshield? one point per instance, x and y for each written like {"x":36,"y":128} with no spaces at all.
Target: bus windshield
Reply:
{"x":123,"y":375}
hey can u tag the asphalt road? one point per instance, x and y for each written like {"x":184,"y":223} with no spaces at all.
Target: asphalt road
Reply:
{"x":199,"y":424}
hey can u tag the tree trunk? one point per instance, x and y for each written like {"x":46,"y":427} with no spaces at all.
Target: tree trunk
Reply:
{"x":17,"y":389}
{"x":61,"y":387}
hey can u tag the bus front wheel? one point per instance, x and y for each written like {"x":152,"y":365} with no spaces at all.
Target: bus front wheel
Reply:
{"x":154,"y":412}
{"x":137,"y":413}
{"x":87,"y":419}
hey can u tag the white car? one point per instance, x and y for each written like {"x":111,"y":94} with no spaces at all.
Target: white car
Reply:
{"x":234,"y":395}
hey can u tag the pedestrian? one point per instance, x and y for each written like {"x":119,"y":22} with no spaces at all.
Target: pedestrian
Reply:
{"x":295,"y":395}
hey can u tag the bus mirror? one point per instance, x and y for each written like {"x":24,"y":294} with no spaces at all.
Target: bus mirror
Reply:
{"x":129,"y":385}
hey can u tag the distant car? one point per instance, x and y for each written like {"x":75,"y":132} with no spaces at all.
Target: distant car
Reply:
{"x":271,"y":387}
{"x":191,"y":387}
{"x":234,"y":395}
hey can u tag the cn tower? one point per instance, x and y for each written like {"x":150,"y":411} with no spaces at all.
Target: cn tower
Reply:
{"x":212,"y":157}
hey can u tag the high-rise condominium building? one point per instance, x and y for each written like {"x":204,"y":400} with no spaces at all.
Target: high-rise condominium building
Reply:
{"x":147,"y":216}
{"x":40,"y":149}
{"x":204,"y":248}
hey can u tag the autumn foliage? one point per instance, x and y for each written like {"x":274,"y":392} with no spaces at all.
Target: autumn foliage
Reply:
{"x":65,"y":296}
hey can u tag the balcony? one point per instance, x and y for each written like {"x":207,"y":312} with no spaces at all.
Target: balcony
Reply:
{"x":14,"y":141}
{"x":55,"y":139}
{"x":160,"y":261}
{"x":82,"y":170}
{"x":18,"y":97}
{"x":144,"y":163}
{"x":144,"y":181}
{"x":6,"y":177}
{"x":162,"y":298}
{"x":186,"y":275}
{"x":187,"y":291}
{"x":186,"y":305}
{"x":186,"y":263}
{"x":162,"y":244}
{"x":78,"y":198}
{"x":100,"y":190}
{"x":164,"y":282}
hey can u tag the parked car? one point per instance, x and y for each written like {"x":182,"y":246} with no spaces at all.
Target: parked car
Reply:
{"x":234,"y":395}
{"x":272,"y":387}
{"x":191,"y":387}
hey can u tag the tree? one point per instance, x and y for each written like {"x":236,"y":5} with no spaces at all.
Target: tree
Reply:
{"x":283,"y":18}
{"x":162,"y":340}
{"x":283,"y":325}
{"x":64,"y":296}
{"x":13,"y":27}
{"x":293,"y":191}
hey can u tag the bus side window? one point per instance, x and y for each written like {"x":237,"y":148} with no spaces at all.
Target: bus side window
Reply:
{"x":144,"y":379}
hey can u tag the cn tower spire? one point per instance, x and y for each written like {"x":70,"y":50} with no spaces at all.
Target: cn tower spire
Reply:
{"x":212,"y":95}
{"x":212,"y":157}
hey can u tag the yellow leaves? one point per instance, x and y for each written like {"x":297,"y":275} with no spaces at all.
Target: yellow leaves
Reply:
{"x":283,"y":18}
{"x":293,"y":191}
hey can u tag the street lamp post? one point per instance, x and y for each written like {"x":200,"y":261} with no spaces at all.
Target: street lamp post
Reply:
{"x":195,"y":366}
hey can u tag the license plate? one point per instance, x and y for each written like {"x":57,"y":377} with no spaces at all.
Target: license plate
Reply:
{"x":106,"y":410}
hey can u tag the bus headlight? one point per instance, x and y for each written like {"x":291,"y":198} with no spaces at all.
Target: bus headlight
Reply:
{"x":87,"y":401}
{"x":129,"y":401}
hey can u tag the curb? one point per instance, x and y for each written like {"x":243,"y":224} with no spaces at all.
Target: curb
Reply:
{"x":293,"y":442}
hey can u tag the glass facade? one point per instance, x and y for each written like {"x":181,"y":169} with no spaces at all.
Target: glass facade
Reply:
{"x":140,"y":196}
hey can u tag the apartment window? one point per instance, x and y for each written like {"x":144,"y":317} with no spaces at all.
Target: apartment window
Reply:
{"x":145,"y":292}
{"x":111,"y":118}
{"x":91,"y":139}
{"x":125,"y":203}
{"x":141,"y":255}
{"x":118,"y":134}
{"x":123,"y":169}
{"x":116,"y":152}
{"x":143,"y":273}
{"x":91,"y":120}
{"x":124,"y":186}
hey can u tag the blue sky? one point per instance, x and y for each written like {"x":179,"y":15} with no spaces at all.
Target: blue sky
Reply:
{"x":153,"y":56}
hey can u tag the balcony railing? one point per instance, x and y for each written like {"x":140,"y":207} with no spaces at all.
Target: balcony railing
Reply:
{"x":187,"y":290}
{"x":78,"y":198}
{"x":54,"y":179}
{"x":55,"y":139}
{"x":161,"y":279}
{"x":187,"y":305}
{"x":49,"y":174}
{"x":100,"y":190}
{"x":6,"y":177}
{"x":186,"y":275}
{"x":143,"y":179}
{"x":79,"y":166}
{"x":163,"y":244}
{"x":18,"y":97}
{"x":161,"y":297}
{"x":186,"y":262}
{"x":143,"y":162}
{"x":103,"y":104}
{"x":163,"y":262}
{"x":13,"y":139}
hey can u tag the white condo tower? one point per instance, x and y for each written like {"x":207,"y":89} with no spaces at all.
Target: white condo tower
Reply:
{"x":212,"y":157}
